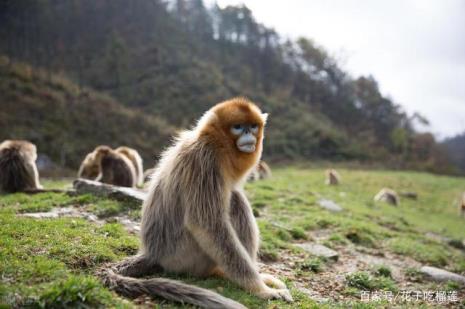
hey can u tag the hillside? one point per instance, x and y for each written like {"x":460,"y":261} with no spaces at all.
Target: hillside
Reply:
{"x":49,"y":262}
{"x":66,"y":121}
{"x":456,"y":149}
{"x":175,"y":59}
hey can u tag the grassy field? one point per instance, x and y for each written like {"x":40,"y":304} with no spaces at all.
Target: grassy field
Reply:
{"x":50,"y":262}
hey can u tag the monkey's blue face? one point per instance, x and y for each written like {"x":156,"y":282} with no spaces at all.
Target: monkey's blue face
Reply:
{"x":246,"y":136}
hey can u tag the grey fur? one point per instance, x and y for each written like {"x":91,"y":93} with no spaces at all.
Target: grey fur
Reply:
{"x":192,"y":222}
{"x":195,"y":221}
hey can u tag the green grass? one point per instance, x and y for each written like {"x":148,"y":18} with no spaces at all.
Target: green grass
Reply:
{"x":365,"y":282}
{"x":50,"y":262}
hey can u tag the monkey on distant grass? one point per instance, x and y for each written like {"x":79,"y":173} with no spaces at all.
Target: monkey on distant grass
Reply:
{"x":264,"y":170}
{"x":136,"y":160}
{"x":115,"y":168}
{"x":18,"y":170}
{"x":196,"y":219}
{"x":90,"y":167}
{"x":387,"y":195}
{"x":261,"y":171}
{"x":332,"y":177}
{"x":462,"y":205}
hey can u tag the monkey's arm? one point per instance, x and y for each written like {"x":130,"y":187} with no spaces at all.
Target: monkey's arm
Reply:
{"x":34,"y":174}
{"x":218,"y":239}
{"x":244,"y":223}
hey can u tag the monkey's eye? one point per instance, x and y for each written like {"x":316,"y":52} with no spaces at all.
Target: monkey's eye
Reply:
{"x":236,"y":129}
{"x":254,"y":128}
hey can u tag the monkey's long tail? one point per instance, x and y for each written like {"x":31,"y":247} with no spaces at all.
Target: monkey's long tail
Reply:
{"x":168,"y":289}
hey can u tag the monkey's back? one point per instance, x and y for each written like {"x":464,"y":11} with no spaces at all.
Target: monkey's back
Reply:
{"x":14,"y":176}
{"x":163,"y":231}
{"x":116,"y":171}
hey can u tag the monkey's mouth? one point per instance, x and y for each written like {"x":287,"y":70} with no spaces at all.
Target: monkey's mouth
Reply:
{"x":246,"y":147}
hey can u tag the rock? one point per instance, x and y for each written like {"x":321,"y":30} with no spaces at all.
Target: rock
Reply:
{"x":441,"y":275}
{"x":320,"y":251}
{"x":131,"y":195}
{"x":329,"y":205}
{"x":54,"y":213}
{"x":130,"y":225}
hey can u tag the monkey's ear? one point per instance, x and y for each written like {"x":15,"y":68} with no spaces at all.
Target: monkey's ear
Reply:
{"x":265,"y":117}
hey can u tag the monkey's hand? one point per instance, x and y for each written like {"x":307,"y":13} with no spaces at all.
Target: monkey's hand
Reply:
{"x":273,"y":282}
{"x":269,"y":293}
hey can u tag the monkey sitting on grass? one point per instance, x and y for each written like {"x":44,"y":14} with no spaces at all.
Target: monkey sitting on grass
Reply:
{"x":196,"y":219}
{"x":18,"y":170}
{"x":110,"y":166}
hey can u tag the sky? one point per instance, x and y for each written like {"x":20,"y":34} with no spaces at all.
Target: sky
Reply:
{"x":414,"y":48}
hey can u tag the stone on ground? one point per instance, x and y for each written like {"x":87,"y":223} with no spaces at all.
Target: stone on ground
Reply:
{"x":441,"y":275}
{"x":124,"y":194}
{"x":329,"y":205}
{"x":320,"y":251}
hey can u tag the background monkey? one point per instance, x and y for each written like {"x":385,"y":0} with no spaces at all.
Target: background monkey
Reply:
{"x":462,"y":205}
{"x":196,"y":219}
{"x":332,"y":177}
{"x":18,"y":170}
{"x":261,"y":171}
{"x":387,"y":195}
{"x":136,"y":160}
{"x":264,"y":170}
{"x":115,"y":168}
{"x":90,"y":167}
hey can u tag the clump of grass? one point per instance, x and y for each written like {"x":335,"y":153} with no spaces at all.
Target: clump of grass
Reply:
{"x":256,"y":212}
{"x":431,"y":253}
{"x":284,"y":235}
{"x":452,"y":286}
{"x":259,"y":204}
{"x":456,"y":243}
{"x":298,"y":233}
{"x":315,"y":265}
{"x":363,"y":281}
{"x":382,"y":271}
{"x":413,"y":274}
{"x":337,"y":239}
{"x":361,"y":238}
{"x":74,"y":292}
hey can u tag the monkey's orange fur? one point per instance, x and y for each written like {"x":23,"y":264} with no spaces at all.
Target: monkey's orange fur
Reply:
{"x":217,"y":129}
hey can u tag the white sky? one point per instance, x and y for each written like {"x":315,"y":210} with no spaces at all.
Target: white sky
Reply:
{"x":414,"y":48}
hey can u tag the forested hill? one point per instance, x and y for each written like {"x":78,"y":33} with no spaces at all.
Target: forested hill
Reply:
{"x":456,"y":149}
{"x":174,"y":60}
{"x":66,"y":122}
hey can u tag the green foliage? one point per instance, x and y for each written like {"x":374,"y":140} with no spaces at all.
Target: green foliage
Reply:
{"x":50,"y":262}
{"x":167,"y":66}
{"x":74,"y":292}
{"x":69,"y":122}
{"x":315,"y":265}
{"x":363,"y":281}
{"x":382,"y":271}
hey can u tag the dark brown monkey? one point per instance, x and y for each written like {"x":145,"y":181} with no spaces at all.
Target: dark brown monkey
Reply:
{"x":18,"y":170}
{"x":115,"y":168}
{"x":196,"y":219}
